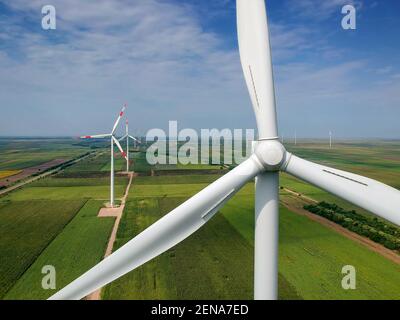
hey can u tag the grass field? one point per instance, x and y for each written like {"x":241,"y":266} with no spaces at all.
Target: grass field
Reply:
{"x":75,"y":250}
{"x":26,"y":228}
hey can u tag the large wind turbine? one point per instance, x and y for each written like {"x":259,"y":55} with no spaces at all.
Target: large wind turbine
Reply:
{"x":264,"y":164}
{"x":127,"y":136}
{"x":113,"y":140}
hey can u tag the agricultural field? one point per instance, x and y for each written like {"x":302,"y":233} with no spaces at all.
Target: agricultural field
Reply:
{"x":27,"y":228}
{"x":53,"y":221}
{"x":311,"y":255}
{"x":77,"y":248}
{"x":58,"y":214}
{"x":17,"y":154}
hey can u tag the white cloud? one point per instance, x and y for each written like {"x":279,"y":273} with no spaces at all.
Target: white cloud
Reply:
{"x":153,"y":54}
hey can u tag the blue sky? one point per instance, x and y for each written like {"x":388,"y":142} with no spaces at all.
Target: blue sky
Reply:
{"x":178,"y":60}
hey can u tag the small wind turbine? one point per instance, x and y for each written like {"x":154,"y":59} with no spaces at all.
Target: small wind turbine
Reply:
{"x":330,"y":139}
{"x":269,"y":157}
{"x":127,"y":136}
{"x":295,"y":138}
{"x":113,"y":140}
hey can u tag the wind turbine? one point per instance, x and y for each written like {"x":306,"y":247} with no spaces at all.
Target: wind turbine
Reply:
{"x":127,"y":136}
{"x":264,"y":164}
{"x":113,"y":140}
{"x":330,"y":139}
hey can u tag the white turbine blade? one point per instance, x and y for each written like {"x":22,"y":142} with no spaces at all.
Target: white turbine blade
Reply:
{"x":123,"y":137}
{"x":118,"y":119}
{"x":366,"y":193}
{"x":133,"y":138}
{"x":123,"y":153}
{"x":255,"y":55}
{"x":97,"y":136}
{"x":165,"y":233}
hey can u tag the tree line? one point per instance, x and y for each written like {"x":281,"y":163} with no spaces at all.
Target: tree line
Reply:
{"x":373,"y":228}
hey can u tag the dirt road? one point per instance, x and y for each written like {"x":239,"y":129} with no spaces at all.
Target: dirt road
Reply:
{"x":117,"y":213}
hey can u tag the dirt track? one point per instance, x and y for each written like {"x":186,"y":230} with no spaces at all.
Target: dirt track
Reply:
{"x":117,"y":213}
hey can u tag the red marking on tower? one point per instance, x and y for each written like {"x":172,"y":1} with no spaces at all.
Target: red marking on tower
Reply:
{"x":88,"y":137}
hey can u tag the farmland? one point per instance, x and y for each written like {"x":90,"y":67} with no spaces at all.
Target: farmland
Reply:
{"x":17,"y":154}
{"x":309,"y":269}
{"x":53,"y":221}
{"x":85,"y":233}
{"x":27,"y":227}
{"x":59,"y":216}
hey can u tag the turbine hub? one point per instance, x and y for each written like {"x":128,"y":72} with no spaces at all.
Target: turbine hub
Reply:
{"x":271,"y":154}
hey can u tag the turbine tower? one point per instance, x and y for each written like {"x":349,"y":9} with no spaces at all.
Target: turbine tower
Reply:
{"x":113,"y":140}
{"x":269,"y":157}
{"x":330,"y":139}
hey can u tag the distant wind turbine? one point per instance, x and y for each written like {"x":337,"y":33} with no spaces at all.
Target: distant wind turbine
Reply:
{"x":113,"y":140}
{"x":127,"y":136}
{"x":330,"y":139}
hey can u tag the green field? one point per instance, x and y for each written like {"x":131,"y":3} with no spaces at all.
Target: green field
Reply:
{"x":76,"y":249}
{"x":311,"y":255}
{"x":58,"y":216}
{"x":194,"y":269}
{"x":16,"y":154}
{"x":53,"y":221}
{"x":27,"y":228}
